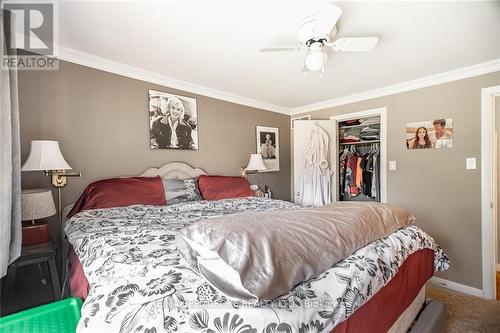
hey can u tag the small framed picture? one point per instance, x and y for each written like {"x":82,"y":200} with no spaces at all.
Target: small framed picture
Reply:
{"x":173,"y":121}
{"x":268,"y":146}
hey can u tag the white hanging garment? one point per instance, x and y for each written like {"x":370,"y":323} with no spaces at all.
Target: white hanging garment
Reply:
{"x":315,"y":180}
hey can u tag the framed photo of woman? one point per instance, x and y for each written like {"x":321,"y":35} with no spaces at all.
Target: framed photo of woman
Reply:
{"x":430,"y":134}
{"x":268,"y":146}
{"x":173,"y":121}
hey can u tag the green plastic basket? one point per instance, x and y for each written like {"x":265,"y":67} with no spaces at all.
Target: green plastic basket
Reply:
{"x":57,"y":317}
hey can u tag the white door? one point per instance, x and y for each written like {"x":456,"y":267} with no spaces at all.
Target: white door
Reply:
{"x":301,"y":131}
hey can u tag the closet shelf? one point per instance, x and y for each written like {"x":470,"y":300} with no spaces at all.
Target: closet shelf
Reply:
{"x":359,"y":126}
{"x":359,"y":143}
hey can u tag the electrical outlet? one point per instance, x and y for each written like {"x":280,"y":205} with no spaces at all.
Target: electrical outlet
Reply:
{"x":392,"y":165}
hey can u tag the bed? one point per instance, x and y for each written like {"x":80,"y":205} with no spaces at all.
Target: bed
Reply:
{"x":137,"y":282}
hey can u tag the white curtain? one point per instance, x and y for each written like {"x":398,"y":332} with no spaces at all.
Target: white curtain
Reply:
{"x":10,"y":164}
{"x":315,"y":181}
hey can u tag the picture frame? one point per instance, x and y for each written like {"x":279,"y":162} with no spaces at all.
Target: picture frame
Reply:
{"x":268,"y":147}
{"x":170,"y":111}
{"x":430,"y":134}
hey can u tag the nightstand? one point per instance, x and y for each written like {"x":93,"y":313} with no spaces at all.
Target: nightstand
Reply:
{"x":35,"y":254}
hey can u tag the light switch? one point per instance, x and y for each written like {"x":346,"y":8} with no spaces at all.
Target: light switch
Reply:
{"x":392,"y":165}
{"x":470,"y":163}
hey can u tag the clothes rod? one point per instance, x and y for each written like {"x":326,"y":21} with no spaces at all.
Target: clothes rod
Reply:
{"x":359,"y":143}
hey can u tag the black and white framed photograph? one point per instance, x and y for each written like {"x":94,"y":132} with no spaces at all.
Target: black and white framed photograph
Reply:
{"x":268,"y":146}
{"x":173,"y":121}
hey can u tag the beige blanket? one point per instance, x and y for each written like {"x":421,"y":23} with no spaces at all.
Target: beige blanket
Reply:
{"x":260,"y":256}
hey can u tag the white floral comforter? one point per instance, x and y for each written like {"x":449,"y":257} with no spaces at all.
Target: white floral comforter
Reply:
{"x":139,"y":283}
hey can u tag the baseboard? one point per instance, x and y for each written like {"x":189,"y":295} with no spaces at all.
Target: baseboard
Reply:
{"x":457,"y":286}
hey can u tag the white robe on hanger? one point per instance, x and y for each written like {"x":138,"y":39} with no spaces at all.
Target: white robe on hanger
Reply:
{"x":315,"y":180}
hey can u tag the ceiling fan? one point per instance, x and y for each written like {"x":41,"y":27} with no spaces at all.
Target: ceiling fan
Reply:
{"x":316,"y":33}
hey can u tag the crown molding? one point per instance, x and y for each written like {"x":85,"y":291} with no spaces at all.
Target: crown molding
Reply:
{"x":453,"y":75}
{"x":89,"y":60}
{"x":107,"y":65}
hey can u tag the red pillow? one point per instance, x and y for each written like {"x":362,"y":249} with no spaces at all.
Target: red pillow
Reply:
{"x":222,"y":187}
{"x":121,"y":192}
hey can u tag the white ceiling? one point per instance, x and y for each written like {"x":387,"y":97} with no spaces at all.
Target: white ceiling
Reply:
{"x":216,"y":44}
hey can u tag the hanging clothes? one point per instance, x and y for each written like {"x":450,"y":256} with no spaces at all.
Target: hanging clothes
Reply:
{"x":367,"y":174}
{"x":350,"y":173}
{"x":359,"y":172}
{"x":376,"y":176}
{"x":315,"y":180}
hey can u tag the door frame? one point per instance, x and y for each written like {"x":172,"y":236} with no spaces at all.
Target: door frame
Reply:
{"x":488,"y":227}
{"x":382,"y":112}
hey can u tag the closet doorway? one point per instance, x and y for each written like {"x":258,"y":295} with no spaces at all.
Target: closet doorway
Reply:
{"x":366,"y":135}
{"x":334,"y":128}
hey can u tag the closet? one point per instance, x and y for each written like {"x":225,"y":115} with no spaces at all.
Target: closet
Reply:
{"x":356,"y":156}
{"x":359,"y":159}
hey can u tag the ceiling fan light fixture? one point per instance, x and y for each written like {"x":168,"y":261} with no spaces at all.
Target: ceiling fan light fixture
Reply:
{"x":315,"y":34}
{"x":315,"y":60}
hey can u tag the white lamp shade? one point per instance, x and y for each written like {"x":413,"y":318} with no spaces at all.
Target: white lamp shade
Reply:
{"x":256,"y":163}
{"x":45,"y":155}
{"x":37,"y":204}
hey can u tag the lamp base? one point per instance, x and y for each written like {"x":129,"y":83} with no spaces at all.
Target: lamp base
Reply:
{"x":37,"y":233}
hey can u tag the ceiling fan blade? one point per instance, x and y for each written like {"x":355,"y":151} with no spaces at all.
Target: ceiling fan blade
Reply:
{"x":354,"y":44}
{"x":282,"y":49}
{"x":327,"y":17}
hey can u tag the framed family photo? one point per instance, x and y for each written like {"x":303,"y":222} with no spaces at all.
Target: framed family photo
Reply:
{"x":268,"y":146}
{"x":430,"y":134}
{"x":173,"y":121}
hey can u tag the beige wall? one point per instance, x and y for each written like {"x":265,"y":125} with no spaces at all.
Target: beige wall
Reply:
{"x":101,"y":121}
{"x":434,"y":184}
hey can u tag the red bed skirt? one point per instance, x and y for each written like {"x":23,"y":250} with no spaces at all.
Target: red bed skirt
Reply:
{"x":385,"y":307}
{"x":79,"y":286}
{"x":377,"y":315}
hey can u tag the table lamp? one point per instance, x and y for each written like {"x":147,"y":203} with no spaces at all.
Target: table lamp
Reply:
{"x":255,"y":164}
{"x":36,"y":204}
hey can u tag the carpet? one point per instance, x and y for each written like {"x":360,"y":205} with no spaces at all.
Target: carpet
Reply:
{"x":466,"y":313}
